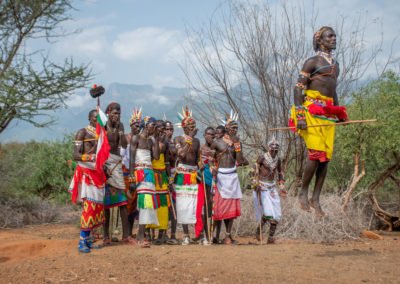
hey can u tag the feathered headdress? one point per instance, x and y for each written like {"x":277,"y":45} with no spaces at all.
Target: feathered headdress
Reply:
{"x":146,"y":120}
{"x":233,"y":117}
{"x":186,"y":117}
{"x":136,"y":116}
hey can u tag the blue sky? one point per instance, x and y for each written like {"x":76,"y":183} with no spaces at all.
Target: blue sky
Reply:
{"x":139,"y":42}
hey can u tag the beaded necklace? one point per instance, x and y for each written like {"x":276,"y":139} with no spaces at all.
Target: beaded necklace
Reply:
{"x":271,"y":163}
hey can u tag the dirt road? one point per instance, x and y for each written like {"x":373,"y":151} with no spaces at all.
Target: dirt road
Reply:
{"x":48,"y":254}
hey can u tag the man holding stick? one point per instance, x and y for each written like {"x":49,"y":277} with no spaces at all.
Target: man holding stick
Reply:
{"x":207,"y":159}
{"x":267,"y":203}
{"x":316,"y":102}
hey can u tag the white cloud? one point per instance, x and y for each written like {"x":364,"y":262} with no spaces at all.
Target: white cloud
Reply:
{"x":78,"y":100}
{"x":89,"y":42}
{"x":145,"y":43}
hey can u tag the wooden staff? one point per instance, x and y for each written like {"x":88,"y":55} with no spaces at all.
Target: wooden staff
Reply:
{"x":328,"y":124}
{"x":172,"y":203}
{"x":205,"y":197}
{"x":169,"y":192}
{"x":259,"y":200}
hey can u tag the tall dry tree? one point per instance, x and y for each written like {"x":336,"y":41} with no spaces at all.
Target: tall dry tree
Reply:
{"x":248,"y":59}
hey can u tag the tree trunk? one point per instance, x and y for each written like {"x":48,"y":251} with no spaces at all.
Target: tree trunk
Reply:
{"x":389,"y":219}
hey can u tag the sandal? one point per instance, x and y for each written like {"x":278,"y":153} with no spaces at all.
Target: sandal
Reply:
{"x":129,"y":241}
{"x":143,"y":244}
{"x":227,"y":241}
{"x":172,"y":242}
{"x":216,"y":241}
{"x":107,"y":242}
{"x":158,"y":242}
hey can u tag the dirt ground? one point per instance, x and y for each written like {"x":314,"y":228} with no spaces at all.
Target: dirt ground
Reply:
{"x":48,"y":254}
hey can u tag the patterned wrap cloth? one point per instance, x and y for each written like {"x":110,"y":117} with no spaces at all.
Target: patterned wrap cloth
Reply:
{"x":145,"y":187}
{"x":115,"y":187}
{"x":87,"y":186}
{"x":186,"y":189}
{"x":227,"y":195}
{"x":319,"y":109}
{"x":270,"y":206}
{"x":163,"y":200}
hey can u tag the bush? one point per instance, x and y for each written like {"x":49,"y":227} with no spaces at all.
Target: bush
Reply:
{"x":38,"y":169}
{"x":34,"y":181}
{"x":301,"y":225}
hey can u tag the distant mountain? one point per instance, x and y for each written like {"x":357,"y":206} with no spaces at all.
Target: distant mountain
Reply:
{"x":154,"y":101}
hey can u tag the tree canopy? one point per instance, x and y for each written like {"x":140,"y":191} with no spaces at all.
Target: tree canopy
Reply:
{"x":29,"y":89}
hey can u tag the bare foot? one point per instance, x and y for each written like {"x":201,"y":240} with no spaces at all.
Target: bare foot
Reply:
{"x":304,"y":205}
{"x":271,"y":240}
{"x":318,"y":211}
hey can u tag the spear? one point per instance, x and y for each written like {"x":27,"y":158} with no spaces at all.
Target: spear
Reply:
{"x":328,"y":124}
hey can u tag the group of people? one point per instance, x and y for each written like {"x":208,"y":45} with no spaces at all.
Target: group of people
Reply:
{"x":162,"y":181}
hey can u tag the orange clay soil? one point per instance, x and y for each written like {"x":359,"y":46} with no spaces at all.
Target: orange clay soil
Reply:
{"x":48,"y":254}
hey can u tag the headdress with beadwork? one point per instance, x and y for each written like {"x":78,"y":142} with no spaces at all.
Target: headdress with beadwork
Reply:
{"x":232,"y":117}
{"x":136,"y":116}
{"x":186,"y":117}
{"x":317,"y":35}
{"x":273,"y":144}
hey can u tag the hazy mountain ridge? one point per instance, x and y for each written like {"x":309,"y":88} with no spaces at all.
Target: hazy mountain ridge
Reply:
{"x":154,"y":102}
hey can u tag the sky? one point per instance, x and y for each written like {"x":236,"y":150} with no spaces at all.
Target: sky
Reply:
{"x":140,"y":42}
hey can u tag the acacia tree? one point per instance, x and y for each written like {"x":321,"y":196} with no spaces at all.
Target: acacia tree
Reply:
{"x":248,"y":59}
{"x":28,"y":91}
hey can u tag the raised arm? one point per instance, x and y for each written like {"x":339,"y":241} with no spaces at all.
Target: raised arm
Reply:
{"x":182,"y":148}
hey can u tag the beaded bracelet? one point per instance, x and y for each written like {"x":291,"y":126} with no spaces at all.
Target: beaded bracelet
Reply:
{"x":300,"y":113}
{"x":188,"y":140}
{"x":237,"y":146}
{"x":131,"y":179}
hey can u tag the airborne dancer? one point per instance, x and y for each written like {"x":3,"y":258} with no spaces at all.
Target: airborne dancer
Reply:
{"x":316,"y":102}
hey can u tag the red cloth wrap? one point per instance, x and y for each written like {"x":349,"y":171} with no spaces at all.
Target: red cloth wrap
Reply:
{"x":198,"y":227}
{"x":95,"y":178}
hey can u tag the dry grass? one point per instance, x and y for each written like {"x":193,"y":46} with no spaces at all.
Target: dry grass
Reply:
{"x":16,"y":213}
{"x":298,"y":224}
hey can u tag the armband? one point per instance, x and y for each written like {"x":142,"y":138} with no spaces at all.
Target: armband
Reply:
{"x":301,"y":86}
{"x":237,"y":146}
{"x":87,"y":157}
{"x":303,"y":74}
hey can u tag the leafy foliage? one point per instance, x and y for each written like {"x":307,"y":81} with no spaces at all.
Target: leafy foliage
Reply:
{"x":375,"y":142}
{"x":36,"y":169}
